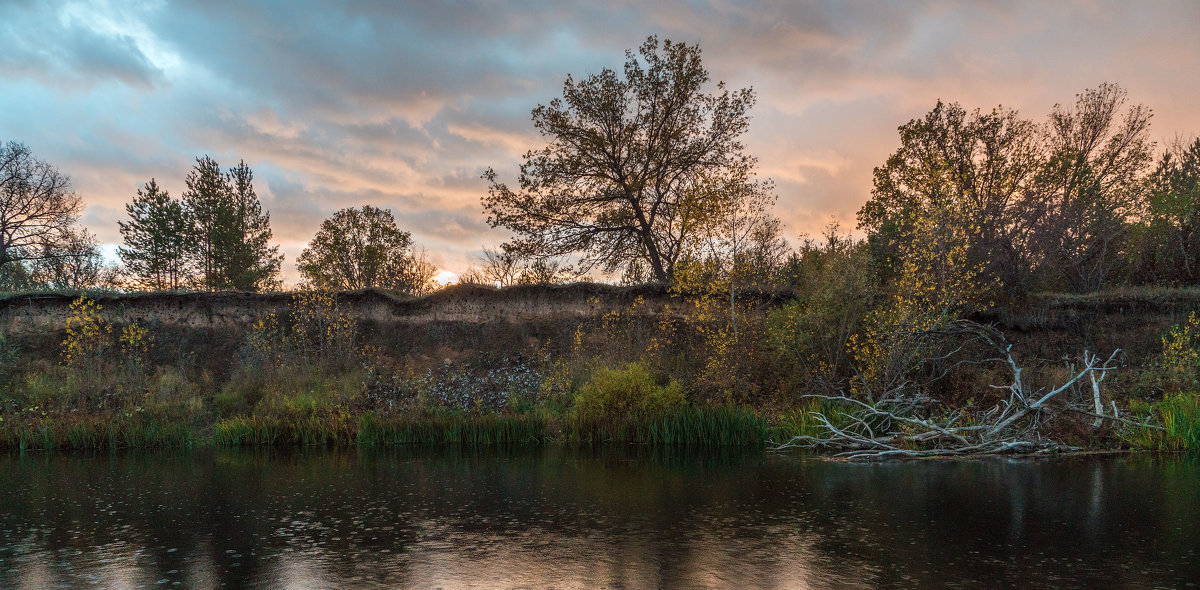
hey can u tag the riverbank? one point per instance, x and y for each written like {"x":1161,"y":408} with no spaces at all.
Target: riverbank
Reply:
{"x":579,"y":364}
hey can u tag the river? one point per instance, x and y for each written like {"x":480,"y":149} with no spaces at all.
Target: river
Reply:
{"x":607,"y":518}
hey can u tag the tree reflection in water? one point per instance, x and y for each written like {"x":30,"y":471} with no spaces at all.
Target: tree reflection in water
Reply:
{"x":615,"y":517}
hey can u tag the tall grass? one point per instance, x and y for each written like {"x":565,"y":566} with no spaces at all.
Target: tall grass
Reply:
{"x":313,"y":429}
{"x":457,"y":428}
{"x":801,"y":420}
{"x":97,"y":433}
{"x":716,"y":426}
{"x":1179,"y":416}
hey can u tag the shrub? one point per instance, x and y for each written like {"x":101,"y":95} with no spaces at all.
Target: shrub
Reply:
{"x":1181,"y":356}
{"x":627,"y":390}
{"x":88,"y":336}
{"x":318,"y":333}
{"x":135,"y":347}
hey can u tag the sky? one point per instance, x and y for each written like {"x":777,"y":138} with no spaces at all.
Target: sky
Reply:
{"x":403,"y":105}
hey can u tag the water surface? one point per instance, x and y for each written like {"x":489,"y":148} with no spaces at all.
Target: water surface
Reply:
{"x":611,"y":518}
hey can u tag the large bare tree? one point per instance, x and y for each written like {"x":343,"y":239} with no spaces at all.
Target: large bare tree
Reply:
{"x":1098,"y":155}
{"x":614,"y":185}
{"x":37,"y":206}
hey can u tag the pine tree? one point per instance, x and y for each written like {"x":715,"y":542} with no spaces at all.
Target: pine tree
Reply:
{"x":231,"y":234}
{"x":246,"y":258}
{"x":156,"y":239}
{"x":205,"y":206}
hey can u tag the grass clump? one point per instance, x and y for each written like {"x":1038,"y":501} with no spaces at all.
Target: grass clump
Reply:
{"x":1179,"y":417}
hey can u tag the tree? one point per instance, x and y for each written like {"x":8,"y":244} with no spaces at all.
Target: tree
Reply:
{"x":623,"y":154}
{"x":1169,"y":234}
{"x":1091,"y":184}
{"x":245,"y":256}
{"x":156,"y":239}
{"x":204,"y":201}
{"x":505,"y":268}
{"x":362,"y":249}
{"x":976,"y":165}
{"x":230,"y":234}
{"x":72,"y":264}
{"x":738,"y":235}
{"x":37,"y":207}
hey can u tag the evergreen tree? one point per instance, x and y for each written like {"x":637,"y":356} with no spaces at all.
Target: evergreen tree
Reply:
{"x":205,"y":205}
{"x":156,"y":239}
{"x":230,"y":232}
{"x":246,"y":259}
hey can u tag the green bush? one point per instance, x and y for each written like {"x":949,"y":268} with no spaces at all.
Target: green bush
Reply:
{"x":627,"y":390}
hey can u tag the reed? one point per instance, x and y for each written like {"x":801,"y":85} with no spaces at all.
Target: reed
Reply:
{"x":98,"y":433}
{"x":701,"y":426}
{"x":451,"y":428}
{"x":1179,"y":417}
{"x":316,"y":429}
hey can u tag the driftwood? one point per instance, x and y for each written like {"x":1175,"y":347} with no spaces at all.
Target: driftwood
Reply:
{"x":899,"y":422}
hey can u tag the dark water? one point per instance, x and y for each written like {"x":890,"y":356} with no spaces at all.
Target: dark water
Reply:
{"x":606,"y":519}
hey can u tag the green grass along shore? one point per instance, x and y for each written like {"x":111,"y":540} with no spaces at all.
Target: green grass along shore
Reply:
{"x":720,"y":426}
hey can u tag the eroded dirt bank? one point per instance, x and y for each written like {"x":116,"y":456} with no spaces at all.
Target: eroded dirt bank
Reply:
{"x":476,"y":317}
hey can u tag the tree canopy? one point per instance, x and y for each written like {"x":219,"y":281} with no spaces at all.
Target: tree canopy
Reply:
{"x":1021,"y":198}
{"x":614,"y":186}
{"x":37,"y":207}
{"x":230,"y":233}
{"x":360,"y":248}
{"x":156,"y":239}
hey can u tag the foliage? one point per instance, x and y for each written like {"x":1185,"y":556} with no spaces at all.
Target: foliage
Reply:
{"x":736,"y":244}
{"x":37,"y":208}
{"x":1168,"y":236}
{"x":978,"y":166}
{"x":230,"y":232}
{"x":1174,"y":424}
{"x":1180,"y":361}
{"x":361,"y":249}
{"x":615,"y":184}
{"x":627,"y":390}
{"x":1181,"y":345}
{"x":937,"y":283}
{"x":1091,"y":185}
{"x":1027,"y":199}
{"x":88,"y":338}
{"x":74,"y":264}
{"x":156,"y":238}
{"x":135,"y":343}
{"x":318,"y":334}
{"x":835,"y":291}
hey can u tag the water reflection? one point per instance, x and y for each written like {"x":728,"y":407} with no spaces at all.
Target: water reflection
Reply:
{"x":616,"y":518}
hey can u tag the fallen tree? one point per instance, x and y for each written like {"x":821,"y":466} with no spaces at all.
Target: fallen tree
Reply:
{"x":905,"y":421}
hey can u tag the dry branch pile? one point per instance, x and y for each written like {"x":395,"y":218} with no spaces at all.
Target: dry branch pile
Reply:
{"x":904,"y":421}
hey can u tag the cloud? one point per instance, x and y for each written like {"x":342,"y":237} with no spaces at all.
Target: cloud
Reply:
{"x":403,"y":105}
{"x":39,"y":43}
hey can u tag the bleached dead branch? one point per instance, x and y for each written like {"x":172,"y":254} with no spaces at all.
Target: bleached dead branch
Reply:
{"x":900,"y":423}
